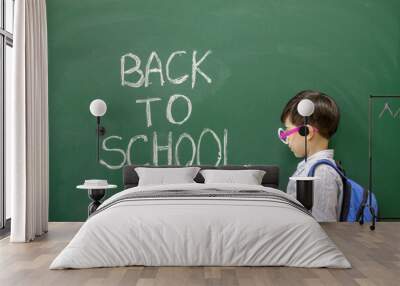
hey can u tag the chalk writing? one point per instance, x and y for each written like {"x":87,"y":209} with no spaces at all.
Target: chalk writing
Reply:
{"x":387,"y":110}
{"x":170,"y":148}
{"x":133,"y":76}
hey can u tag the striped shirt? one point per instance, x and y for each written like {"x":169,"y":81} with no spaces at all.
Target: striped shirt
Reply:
{"x":328,"y":188}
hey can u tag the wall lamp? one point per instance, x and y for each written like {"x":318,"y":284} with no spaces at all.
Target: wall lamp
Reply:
{"x":98,"y":108}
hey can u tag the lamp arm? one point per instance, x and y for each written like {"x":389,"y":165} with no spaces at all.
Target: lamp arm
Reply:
{"x":98,"y":137}
{"x":305,"y":137}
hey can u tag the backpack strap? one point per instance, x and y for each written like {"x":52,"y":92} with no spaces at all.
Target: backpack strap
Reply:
{"x":346,"y":189}
{"x":364,"y":202}
{"x":311,"y":172}
{"x":340,"y":167}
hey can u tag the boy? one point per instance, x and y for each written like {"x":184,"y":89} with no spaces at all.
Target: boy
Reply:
{"x":323,"y":123}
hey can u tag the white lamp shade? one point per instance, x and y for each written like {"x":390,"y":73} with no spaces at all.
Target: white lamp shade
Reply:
{"x":305,"y":107}
{"x":98,"y":107}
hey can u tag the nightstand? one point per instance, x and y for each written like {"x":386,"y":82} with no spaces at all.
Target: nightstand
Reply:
{"x":96,"y":190}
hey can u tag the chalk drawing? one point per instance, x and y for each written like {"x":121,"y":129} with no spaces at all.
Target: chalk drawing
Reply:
{"x":178,"y":80}
{"x":134,"y":69}
{"x":196,"y":69}
{"x":178,"y":143}
{"x":204,"y":132}
{"x":133,"y":76}
{"x":129,"y":148}
{"x":157,"y":69}
{"x":154,"y":65}
{"x":105,"y":148}
{"x":387,"y":109}
{"x":148,"y":109}
{"x":157,"y":148}
{"x":171,"y":100}
{"x":128,"y":152}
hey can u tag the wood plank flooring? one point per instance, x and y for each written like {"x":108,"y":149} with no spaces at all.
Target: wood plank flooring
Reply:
{"x":375,"y":257}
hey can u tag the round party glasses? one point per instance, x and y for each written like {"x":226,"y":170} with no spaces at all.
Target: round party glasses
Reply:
{"x":284,"y":134}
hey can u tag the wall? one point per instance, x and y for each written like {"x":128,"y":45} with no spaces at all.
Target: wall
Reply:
{"x":236,"y":65}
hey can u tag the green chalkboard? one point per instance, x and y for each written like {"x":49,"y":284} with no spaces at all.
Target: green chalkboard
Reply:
{"x":385,"y":121}
{"x":232,"y":67}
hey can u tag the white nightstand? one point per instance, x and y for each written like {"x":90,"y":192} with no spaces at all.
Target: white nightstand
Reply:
{"x":96,"y":190}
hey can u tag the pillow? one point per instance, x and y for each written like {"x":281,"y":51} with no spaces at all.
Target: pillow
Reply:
{"x":162,"y":176}
{"x":248,"y":177}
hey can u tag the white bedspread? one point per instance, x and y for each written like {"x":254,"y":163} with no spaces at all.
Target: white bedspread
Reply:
{"x":200,"y":231}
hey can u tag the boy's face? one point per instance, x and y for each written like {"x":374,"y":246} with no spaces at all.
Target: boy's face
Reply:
{"x":295,"y":141}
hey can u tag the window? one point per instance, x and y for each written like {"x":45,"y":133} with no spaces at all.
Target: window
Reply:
{"x":6,"y":65}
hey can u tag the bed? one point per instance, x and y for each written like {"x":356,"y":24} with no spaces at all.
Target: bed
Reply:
{"x":201,"y":224}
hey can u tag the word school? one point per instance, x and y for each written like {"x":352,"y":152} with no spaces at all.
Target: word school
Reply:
{"x":172,"y":150}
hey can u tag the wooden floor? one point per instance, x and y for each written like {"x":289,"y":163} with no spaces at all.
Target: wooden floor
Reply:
{"x":375,"y":257}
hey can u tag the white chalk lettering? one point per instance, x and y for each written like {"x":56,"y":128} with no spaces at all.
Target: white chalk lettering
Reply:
{"x":133,"y":75}
{"x":154,"y":65}
{"x":129,"y":148}
{"x":104,"y":147}
{"x":178,"y":80}
{"x":188,"y":137}
{"x":157,"y":69}
{"x":225,"y":146}
{"x":135,"y":69}
{"x":148,"y":109}
{"x":171,"y":100}
{"x":204,"y":132}
{"x":173,"y":151}
{"x":157,"y":148}
{"x":196,"y":69}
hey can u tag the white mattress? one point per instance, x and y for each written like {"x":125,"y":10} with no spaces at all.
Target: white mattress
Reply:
{"x":200,"y":231}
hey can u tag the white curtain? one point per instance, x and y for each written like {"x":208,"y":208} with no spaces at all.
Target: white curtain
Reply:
{"x":27,"y":124}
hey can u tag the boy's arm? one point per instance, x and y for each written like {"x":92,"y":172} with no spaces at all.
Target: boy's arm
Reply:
{"x":326,"y":193}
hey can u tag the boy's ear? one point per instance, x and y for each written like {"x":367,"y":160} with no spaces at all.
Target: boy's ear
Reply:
{"x":311,"y":132}
{"x":307,"y":130}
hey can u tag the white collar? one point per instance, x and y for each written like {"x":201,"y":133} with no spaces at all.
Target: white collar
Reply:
{"x":323,"y":154}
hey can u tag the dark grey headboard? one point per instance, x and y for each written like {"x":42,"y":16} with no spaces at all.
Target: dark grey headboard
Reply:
{"x":270,"y":179}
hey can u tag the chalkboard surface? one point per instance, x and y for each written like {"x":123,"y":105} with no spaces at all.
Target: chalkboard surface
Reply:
{"x":385,"y":154}
{"x":205,"y":82}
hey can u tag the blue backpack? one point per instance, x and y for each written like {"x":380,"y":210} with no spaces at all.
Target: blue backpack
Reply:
{"x":354,"y":196}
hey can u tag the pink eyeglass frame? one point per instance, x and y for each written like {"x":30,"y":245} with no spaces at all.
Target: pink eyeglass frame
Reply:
{"x":284,"y":134}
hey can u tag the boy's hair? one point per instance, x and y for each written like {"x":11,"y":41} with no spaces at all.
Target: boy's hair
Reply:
{"x":325,"y":117}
